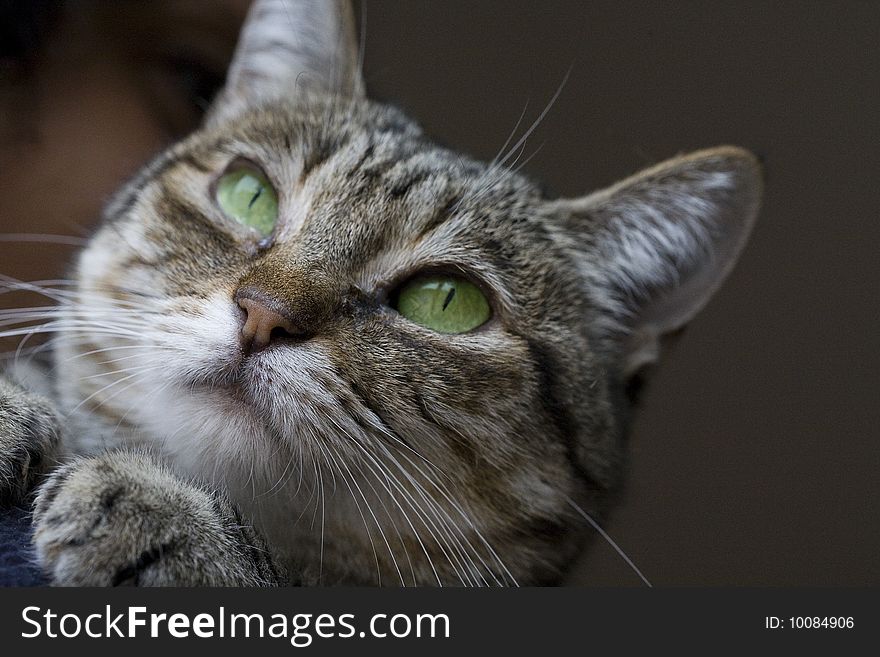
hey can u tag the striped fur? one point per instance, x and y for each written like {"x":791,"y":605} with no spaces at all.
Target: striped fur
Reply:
{"x":377,"y":451}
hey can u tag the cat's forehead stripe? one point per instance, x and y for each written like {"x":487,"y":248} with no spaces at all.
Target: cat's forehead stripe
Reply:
{"x":376,"y":200}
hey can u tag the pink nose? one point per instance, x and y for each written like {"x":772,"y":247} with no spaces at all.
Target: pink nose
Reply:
{"x":265,"y":321}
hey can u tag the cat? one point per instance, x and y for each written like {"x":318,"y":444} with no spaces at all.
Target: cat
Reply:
{"x":308,"y":346}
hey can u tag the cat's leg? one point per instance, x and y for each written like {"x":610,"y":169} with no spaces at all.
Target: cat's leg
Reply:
{"x":122,"y":518}
{"x":29,"y":437}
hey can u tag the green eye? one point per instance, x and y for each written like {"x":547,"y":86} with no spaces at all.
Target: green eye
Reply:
{"x":246,"y":196}
{"x":444,"y":304}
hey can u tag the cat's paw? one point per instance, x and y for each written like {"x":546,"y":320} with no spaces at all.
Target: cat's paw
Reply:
{"x":123,"y":519}
{"x":29,"y":435}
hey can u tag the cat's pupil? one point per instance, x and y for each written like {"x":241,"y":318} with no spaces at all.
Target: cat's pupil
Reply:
{"x":448,"y":299}
{"x":247,"y":196}
{"x":255,"y":197}
{"x":446,"y":304}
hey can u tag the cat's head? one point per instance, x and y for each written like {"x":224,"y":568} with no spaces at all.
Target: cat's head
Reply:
{"x":401,"y":362}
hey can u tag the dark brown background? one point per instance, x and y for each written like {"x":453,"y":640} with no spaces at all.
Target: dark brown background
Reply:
{"x":755,"y":456}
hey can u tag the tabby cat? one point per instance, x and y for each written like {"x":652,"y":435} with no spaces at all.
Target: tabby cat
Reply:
{"x":307,"y":345}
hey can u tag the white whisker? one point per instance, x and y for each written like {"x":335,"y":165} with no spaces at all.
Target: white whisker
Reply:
{"x":595,"y":525}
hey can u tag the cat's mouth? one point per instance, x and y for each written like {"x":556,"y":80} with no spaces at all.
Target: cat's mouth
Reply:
{"x":236,"y":393}
{"x":243,"y":378}
{"x":236,"y":382}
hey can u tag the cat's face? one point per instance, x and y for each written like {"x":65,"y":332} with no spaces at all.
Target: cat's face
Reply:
{"x":288,"y":357}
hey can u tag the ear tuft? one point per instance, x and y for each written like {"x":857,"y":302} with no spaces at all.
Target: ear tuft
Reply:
{"x":658,"y":244}
{"x":287,"y":47}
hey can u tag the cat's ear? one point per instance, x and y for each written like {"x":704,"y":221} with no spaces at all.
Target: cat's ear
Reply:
{"x":288,"y":46}
{"x":657,"y":245}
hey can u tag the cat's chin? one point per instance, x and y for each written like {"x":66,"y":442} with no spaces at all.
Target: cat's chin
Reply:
{"x":230,"y":397}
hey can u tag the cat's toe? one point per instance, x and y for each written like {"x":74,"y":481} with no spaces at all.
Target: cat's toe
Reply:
{"x":29,"y":435}
{"x":123,"y":519}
